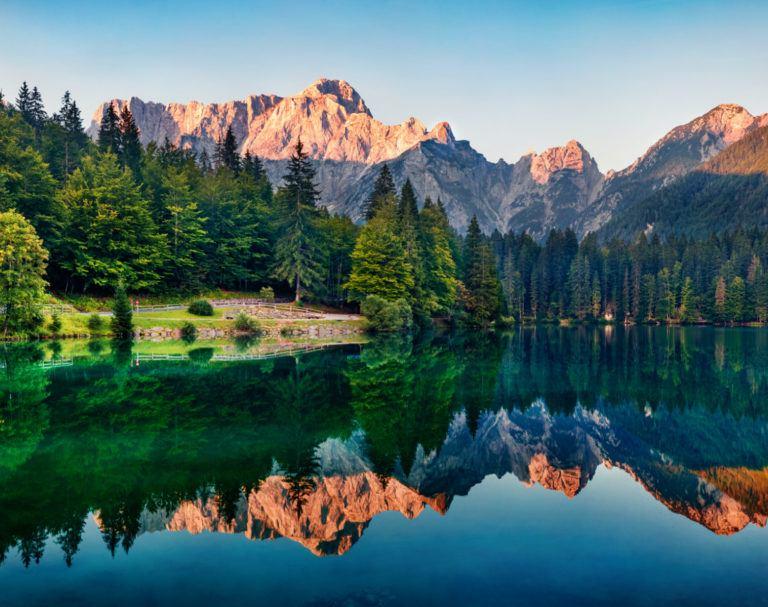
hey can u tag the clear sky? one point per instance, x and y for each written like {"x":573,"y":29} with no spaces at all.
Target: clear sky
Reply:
{"x":509,"y":76}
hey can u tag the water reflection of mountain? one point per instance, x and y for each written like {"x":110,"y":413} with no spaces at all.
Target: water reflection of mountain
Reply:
{"x":558,"y":452}
{"x":314,"y":447}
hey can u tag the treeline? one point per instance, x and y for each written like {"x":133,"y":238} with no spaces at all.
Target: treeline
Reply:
{"x":163,"y":219}
{"x":720,"y":279}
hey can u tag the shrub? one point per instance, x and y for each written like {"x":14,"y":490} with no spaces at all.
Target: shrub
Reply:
{"x":55,"y":324}
{"x":246,"y":324}
{"x":200,"y":307}
{"x":386,"y":316}
{"x":95,"y":323}
{"x":200,"y":355}
{"x":188,"y":332}
{"x":267,"y":293}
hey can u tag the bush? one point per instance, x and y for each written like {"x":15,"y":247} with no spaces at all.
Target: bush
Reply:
{"x":386,"y":316}
{"x":200,"y":307}
{"x":188,"y":332}
{"x":95,"y":323}
{"x":267,"y":293}
{"x":200,"y":355}
{"x":246,"y":324}
{"x":55,"y":324}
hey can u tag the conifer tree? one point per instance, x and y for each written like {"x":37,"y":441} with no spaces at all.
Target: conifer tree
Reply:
{"x":408,"y":209}
{"x":253,"y":166}
{"x":122,"y":314}
{"x":226,"y":152}
{"x":75,"y":140}
{"x":439,"y":266}
{"x":480,"y":278}
{"x":109,"y":130}
{"x":383,"y":187}
{"x":130,"y":145}
{"x":36,"y":112}
{"x":297,"y":254}
{"x":24,"y":103}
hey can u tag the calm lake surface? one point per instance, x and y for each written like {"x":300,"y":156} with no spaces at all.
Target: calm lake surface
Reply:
{"x":543,"y":467}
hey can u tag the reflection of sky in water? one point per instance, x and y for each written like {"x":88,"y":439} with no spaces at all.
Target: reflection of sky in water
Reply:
{"x":502,"y":544}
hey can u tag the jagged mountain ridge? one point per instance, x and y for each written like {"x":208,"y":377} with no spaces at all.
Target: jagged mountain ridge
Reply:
{"x":561,"y":187}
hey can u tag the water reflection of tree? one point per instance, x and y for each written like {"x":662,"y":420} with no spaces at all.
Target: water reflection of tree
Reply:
{"x":402,"y":394}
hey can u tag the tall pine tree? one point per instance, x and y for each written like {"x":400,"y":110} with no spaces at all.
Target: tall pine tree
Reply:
{"x":297,"y":253}
{"x":109,"y":130}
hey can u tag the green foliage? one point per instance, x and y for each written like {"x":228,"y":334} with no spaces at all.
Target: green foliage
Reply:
{"x":22,"y":274}
{"x":122,"y":314}
{"x":380,"y":265}
{"x":267,"y":293}
{"x":95,"y":323}
{"x":386,"y":316}
{"x":246,"y":324}
{"x":54,"y":325}
{"x":188,"y":332}
{"x":200,"y":307}
{"x":106,"y":230}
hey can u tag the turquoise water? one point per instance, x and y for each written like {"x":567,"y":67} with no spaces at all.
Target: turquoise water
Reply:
{"x":542,"y":467}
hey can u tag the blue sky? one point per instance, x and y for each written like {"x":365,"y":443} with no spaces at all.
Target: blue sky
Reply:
{"x":509,"y":76}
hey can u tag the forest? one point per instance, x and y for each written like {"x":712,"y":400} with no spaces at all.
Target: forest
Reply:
{"x":82,"y":217}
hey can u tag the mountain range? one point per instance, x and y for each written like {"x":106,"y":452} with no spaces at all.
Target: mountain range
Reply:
{"x":557,"y":188}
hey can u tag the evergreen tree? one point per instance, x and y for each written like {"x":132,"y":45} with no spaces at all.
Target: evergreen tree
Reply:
{"x":253,"y":166}
{"x":297,"y":255}
{"x":226,"y":152}
{"x":380,"y":265}
{"x":107,"y":232}
{"x":24,"y":103}
{"x":383,"y":188}
{"x":734,"y":300}
{"x":439,"y":266}
{"x":185,"y":229}
{"x":408,"y":209}
{"x":480,"y":278}
{"x":36,"y":111}
{"x":130,"y":145}
{"x":109,"y":130}
{"x":687,"y":312}
{"x":122,"y":314}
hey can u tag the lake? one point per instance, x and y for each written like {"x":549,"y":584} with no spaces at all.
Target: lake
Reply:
{"x":546,"y":466}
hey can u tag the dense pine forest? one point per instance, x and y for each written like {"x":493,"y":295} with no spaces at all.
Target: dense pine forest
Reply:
{"x":78,"y":216}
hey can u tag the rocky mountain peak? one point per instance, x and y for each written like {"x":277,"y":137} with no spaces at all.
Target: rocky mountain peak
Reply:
{"x":342,"y":92}
{"x":571,"y":156}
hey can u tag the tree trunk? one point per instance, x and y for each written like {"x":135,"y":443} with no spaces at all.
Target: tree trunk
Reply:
{"x":298,"y":289}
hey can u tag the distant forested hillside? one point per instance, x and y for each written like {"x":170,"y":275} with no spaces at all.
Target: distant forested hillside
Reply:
{"x":728,"y":192}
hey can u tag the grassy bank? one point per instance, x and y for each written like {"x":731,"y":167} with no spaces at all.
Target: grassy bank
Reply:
{"x":75,"y":324}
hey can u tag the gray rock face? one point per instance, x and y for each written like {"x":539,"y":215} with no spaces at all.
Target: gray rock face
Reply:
{"x":561,"y":187}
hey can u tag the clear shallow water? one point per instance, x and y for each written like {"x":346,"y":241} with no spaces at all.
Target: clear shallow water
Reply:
{"x":544,"y":467}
